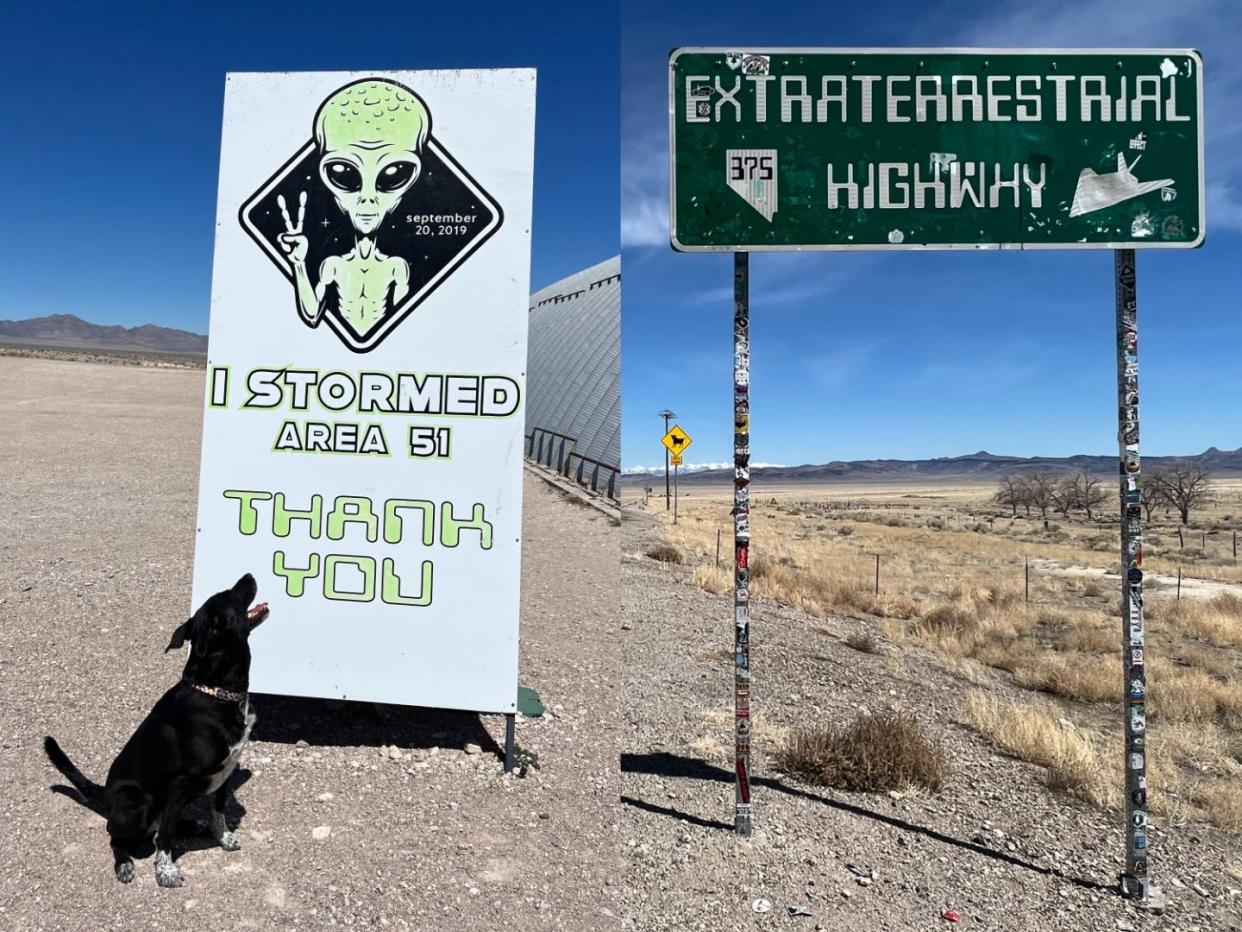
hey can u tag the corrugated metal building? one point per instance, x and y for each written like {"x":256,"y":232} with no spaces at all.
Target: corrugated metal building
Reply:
{"x":573,"y":376}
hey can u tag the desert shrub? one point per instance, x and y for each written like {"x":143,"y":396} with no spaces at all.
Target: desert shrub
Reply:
{"x":874,"y":753}
{"x":863,"y":641}
{"x":666,"y":553}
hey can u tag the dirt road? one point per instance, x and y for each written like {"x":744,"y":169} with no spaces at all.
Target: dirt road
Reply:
{"x":996,"y":846}
{"x":98,"y":467}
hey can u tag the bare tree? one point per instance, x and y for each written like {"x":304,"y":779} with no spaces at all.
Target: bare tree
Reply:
{"x":1012,"y":493}
{"x":1184,"y":487}
{"x":1152,"y":487}
{"x":1041,"y":493}
{"x":1086,"y":493}
{"x":1064,"y":496}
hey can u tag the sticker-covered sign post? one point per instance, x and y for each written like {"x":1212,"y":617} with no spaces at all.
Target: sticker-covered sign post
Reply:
{"x":362,"y":440}
{"x":743,"y":821}
{"x":896,"y":149}
{"x":1134,"y":881}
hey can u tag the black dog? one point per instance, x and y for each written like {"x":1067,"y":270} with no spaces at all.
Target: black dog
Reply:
{"x":190,"y":743}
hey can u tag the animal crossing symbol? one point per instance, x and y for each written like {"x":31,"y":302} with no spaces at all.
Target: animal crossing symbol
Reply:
{"x":370,"y":215}
{"x":676,"y":440}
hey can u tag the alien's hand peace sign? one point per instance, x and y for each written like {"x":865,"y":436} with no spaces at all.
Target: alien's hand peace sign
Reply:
{"x":292,"y":241}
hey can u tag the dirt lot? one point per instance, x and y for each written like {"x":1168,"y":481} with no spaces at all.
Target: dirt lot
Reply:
{"x":99,"y":466}
{"x":997,"y":845}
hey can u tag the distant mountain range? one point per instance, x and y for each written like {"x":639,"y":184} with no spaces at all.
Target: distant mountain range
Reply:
{"x":981,"y":466}
{"x":66,"y":330}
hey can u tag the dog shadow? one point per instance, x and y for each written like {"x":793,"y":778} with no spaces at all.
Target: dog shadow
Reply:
{"x":344,"y":723}
{"x":193,"y":825}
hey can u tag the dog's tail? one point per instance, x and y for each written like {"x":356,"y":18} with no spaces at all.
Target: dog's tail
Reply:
{"x":92,"y":791}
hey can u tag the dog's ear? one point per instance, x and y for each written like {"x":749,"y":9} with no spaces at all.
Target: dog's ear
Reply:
{"x":179,"y":635}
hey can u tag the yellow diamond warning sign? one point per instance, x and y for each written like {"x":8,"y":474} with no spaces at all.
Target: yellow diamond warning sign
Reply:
{"x":676,"y":440}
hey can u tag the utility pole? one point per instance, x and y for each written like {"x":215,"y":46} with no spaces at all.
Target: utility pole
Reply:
{"x":668,"y":416}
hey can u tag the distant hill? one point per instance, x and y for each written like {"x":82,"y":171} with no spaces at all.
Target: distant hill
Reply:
{"x":981,"y":466}
{"x":66,"y":330}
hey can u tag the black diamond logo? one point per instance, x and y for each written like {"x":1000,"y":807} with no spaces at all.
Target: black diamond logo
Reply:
{"x":369,"y":216}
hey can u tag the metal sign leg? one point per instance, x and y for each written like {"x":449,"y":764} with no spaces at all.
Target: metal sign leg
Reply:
{"x":676,"y":470}
{"x":510,"y":728}
{"x":1134,"y":882}
{"x":742,"y":820}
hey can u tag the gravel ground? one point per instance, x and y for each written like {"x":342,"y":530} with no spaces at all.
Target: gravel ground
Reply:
{"x":996,"y":846}
{"x":99,"y":467}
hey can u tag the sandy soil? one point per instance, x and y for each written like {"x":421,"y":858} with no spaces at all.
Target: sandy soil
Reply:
{"x":1191,"y":588}
{"x":996,"y":845}
{"x":99,"y":466}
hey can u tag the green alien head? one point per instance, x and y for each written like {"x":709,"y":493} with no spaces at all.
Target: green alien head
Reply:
{"x":371,"y":134}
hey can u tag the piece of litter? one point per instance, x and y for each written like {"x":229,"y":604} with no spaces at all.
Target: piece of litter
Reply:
{"x":1199,"y":890}
{"x":320,"y":832}
{"x":797,"y":909}
{"x":761,"y":905}
{"x":951,"y":914}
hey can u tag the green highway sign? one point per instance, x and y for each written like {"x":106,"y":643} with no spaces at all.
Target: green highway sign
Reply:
{"x":786,"y":149}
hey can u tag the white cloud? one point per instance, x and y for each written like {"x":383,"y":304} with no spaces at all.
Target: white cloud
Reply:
{"x":841,"y":366}
{"x":793,"y":277}
{"x":644,"y":191}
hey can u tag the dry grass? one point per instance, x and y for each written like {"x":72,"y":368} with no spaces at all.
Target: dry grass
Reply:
{"x":952,"y":583}
{"x":1086,"y":678}
{"x":1217,"y":621}
{"x":666,"y":554}
{"x":875,"y":753}
{"x":709,"y":748}
{"x":712,"y":578}
{"x":1032,"y":733}
{"x":763,"y":731}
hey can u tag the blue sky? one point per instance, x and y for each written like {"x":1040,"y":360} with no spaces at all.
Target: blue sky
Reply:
{"x":112,"y":133}
{"x":910,"y":355}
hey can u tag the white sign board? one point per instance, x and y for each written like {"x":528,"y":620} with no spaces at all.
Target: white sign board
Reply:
{"x":363,"y":434}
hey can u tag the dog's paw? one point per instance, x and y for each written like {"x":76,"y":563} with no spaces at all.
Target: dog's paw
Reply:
{"x":167,"y":874}
{"x":125,"y":872}
{"x":228,"y":841}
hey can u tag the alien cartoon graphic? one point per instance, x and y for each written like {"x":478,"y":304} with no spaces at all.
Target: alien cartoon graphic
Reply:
{"x":329,"y":218}
{"x":371,"y":135}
